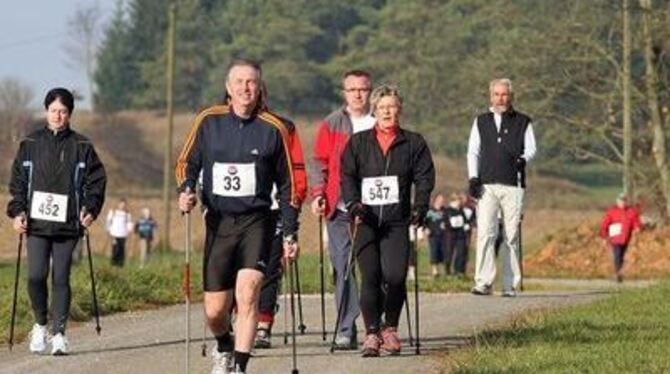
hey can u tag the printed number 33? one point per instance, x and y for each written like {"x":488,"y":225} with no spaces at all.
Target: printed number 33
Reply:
{"x":231,"y":183}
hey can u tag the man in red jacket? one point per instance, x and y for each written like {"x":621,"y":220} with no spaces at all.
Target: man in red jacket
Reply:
{"x":619,"y":224}
{"x":332,"y":136}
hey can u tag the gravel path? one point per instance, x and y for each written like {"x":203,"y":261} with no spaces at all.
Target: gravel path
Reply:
{"x":153,"y":341}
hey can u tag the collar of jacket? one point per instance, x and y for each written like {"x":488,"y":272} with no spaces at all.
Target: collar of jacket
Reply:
{"x":58,"y":134}
{"x":399,"y":136}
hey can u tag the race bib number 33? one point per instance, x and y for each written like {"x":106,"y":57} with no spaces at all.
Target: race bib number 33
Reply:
{"x":234,"y":180}
{"x":48,"y":206}
{"x":380,"y":190}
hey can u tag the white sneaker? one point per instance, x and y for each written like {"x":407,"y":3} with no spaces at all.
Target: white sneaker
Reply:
{"x":38,"y":338}
{"x":59,"y":345}
{"x":223,"y":362}
{"x":509,"y":293}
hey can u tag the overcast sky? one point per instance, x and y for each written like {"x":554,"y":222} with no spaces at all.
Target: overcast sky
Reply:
{"x":33,"y":35}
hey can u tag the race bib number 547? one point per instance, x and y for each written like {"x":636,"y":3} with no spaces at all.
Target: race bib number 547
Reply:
{"x":380,"y":190}
{"x":48,"y":206}
{"x":234,"y":180}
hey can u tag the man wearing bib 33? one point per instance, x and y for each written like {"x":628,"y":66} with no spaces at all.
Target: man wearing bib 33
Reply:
{"x":58,"y":188}
{"x":501,"y":143}
{"x":379,"y":167}
{"x":242,"y":150}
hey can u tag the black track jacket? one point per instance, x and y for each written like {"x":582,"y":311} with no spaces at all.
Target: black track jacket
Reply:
{"x":62,"y":162}
{"x":219,"y":137}
{"x":408,"y":158}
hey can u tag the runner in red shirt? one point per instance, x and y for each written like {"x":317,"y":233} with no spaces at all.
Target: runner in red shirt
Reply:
{"x":617,"y":228}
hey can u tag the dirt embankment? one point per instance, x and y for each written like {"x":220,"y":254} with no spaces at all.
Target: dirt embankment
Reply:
{"x":580,"y":252}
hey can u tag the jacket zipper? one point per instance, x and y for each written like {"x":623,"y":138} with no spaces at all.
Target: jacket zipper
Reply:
{"x":386,"y":171}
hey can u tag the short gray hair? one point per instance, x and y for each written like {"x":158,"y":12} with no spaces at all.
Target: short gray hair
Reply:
{"x":383,"y":91}
{"x":506,"y":81}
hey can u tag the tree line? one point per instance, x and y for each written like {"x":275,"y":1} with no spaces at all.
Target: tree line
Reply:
{"x":566,"y":58}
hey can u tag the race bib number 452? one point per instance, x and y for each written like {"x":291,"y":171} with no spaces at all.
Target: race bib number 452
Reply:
{"x":380,"y":190}
{"x":234,"y":180}
{"x":48,"y":206}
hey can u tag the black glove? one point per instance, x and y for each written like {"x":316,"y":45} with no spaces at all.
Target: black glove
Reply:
{"x":357,"y":210}
{"x":418,"y":217}
{"x":475,"y":188}
{"x":520,"y":164}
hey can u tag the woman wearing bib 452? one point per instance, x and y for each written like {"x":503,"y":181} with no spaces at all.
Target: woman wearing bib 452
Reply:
{"x":379,"y":167}
{"x":58,"y":188}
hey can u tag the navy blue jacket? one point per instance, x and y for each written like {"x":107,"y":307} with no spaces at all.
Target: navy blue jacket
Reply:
{"x":220,"y":136}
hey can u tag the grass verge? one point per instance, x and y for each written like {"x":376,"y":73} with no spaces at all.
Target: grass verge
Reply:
{"x":626,"y":333}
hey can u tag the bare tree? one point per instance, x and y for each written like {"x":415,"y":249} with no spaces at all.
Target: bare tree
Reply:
{"x":15,"y":98}
{"x":84,"y":32}
{"x":652,"y":85}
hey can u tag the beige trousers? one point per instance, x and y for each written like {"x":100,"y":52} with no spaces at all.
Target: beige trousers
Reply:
{"x":508,"y":200}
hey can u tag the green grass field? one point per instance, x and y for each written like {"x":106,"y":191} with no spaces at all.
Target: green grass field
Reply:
{"x":626,"y":333}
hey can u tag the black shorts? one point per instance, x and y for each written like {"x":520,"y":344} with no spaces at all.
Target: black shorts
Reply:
{"x":235,"y":242}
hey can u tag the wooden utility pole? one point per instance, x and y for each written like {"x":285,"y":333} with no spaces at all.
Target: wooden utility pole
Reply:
{"x":167,"y":166}
{"x":627,"y":122}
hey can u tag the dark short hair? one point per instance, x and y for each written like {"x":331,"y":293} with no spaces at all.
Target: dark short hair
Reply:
{"x":356,"y":73}
{"x":61,"y":94}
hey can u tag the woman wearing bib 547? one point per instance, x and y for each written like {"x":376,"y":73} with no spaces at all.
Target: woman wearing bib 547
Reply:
{"x":58,"y":189}
{"x":379,"y":167}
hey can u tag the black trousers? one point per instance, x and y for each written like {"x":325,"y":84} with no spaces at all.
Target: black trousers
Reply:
{"x":267,"y":305}
{"x":41,"y":251}
{"x":456,"y":245}
{"x":118,"y":251}
{"x":618,"y":252}
{"x":383,"y":257}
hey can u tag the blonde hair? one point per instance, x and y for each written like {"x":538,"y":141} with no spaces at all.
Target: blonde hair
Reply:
{"x":383,"y":91}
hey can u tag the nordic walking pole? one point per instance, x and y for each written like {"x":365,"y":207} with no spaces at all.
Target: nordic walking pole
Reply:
{"x":187,"y":283}
{"x":294,"y":353}
{"x":521,"y":254}
{"x":96,"y":311}
{"x":409,"y":321}
{"x":302,"y":326}
{"x":347,"y":274}
{"x":203,"y":346}
{"x":323,"y":289}
{"x":285,"y":286}
{"x":16,"y":290}
{"x":417,"y":344}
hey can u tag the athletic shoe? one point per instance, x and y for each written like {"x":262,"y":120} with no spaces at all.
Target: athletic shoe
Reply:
{"x":38,"y":339}
{"x":345,"y":343}
{"x":223,"y":362}
{"x":481,"y":291}
{"x":391,"y":341}
{"x":371,"y":345}
{"x":509,"y":293}
{"x":237,"y":370}
{"x":59,"y":345}
{"x":263,"y":340}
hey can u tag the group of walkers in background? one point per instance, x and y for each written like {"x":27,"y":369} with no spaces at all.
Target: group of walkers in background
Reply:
{"x":120,"y":226}
{"x":449,"y":227}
